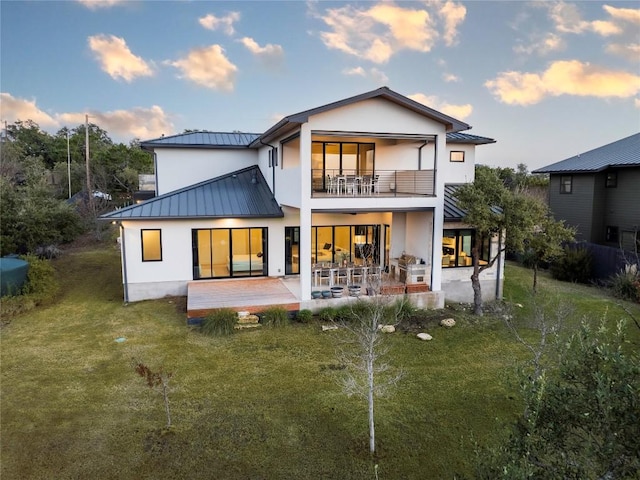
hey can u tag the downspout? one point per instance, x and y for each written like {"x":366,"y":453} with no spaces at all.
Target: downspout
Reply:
{"x":124,"y":263}
{"x":273,"y":166}
{"x":155,"y":170}
{"x":433,"y":239}
{"x":420,"y":154}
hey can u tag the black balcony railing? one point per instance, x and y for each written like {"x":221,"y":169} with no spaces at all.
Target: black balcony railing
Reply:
{"x":390,"y":183}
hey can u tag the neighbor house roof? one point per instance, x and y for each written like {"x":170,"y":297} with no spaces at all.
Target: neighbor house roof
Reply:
{"x":452,"y":212}
{"x":203,"y":140}
{"x":240,"y":194}
{"x":292,"y":122}
{"x":622,"y":153}
{"x":457,"y":137}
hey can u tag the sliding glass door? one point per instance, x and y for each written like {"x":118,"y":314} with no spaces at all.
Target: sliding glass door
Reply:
{"x":229,"y":252}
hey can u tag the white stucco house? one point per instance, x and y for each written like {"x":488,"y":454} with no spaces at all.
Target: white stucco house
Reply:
{"x":366,"y":181}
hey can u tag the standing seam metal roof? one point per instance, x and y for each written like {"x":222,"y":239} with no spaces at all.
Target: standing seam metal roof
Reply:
{"x":451,"y":210}
{"x":234,"y":195}
{"x":204,"y":139}
{"x":622,"y":153}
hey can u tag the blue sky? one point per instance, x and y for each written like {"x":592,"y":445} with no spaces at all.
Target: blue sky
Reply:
{"x":547,"y":80}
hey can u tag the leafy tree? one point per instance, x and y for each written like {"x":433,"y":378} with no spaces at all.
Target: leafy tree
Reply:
{"x":492,"y":209}
{"x":579,"y":422}
{"x":545,"y":244}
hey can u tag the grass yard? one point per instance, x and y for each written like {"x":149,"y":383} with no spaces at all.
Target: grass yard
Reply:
{"x":260,"y":404}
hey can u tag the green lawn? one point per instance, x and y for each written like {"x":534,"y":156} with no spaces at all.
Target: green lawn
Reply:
{"x":257,"y":405}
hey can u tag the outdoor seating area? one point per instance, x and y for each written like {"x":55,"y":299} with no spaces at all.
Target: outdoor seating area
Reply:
{"x":331,"y":274}
{"x":353,"y":184}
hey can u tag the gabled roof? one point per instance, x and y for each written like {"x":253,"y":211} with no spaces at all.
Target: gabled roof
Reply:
{"x":203,"y":140}
{"x":453,"y":213}
{"x":292,"y":122}
{"x":243,"y":140}
{"x":240,"y":194}
{"x":622,"y":153}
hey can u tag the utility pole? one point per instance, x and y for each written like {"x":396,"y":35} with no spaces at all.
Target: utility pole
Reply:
{"x":86,"y":141}
{"x":68,"y":163}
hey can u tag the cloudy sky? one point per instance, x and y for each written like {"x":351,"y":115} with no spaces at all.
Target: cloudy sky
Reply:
{"x":546,"y":79}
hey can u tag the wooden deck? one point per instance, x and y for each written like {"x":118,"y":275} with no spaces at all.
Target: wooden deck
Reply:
{"x":249,"y":295}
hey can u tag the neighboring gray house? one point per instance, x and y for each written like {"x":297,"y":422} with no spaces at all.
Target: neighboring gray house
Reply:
{"x":598,"y":193}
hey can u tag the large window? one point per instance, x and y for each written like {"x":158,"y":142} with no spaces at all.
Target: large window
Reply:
{"x":151,"y":245}
{"x":456,"y":248}
{"x":229,"y":252}
{"x":357,"y":244}
{"x":566,"y":184}
{"x":340,"y":158}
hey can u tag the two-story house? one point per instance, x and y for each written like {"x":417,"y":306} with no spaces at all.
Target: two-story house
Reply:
{"x":359,"y":182}
{"x":598,"y":193}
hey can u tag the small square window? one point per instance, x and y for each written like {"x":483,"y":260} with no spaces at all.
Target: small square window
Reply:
{"x":612,"y":234}
{"x":151,"y":245}
{"x":456,"y":156}
{"x":566,"y":184}
{"x":612,"y":180}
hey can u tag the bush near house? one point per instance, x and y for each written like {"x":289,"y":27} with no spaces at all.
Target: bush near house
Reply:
{"x":576,"y":265}
{"x":220,"y":322}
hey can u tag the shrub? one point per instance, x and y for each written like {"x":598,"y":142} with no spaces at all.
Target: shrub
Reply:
{"x":275,"y":317}
{"x":41,"y":287}
{"x":626,"y":284}
{"x":220,"y":323}
{"x":328,"y":314}
{"x":304,"y":316}
{"x":574,"y":266}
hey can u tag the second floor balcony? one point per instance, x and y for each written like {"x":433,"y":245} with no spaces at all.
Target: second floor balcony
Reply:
{"x":387,"y":183}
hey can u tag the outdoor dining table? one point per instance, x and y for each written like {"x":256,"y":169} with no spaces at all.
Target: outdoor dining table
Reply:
{"x":334,"y":273}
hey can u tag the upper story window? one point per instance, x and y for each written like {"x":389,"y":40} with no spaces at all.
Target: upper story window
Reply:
{"x":612,"y":234}
{"x":151,"y":245}
{"x":343,"y":158}
{"x":612,"y":180}
{"x":566,"y":184}
{"x":456,"y":156}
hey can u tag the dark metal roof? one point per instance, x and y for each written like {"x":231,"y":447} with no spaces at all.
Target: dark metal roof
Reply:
{"x":203,"y":140}
{"x":292,"y":122}
{"x":457,"y":137}
{"x":240,"y":194}
{"x":622,"y":153}
{"x":452,"y":212}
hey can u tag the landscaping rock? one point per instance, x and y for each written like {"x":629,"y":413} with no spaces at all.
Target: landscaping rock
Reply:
{"x":326,"y":328}
{"x":447,"y":322}
{"x":386,"y":328}
{"x":425,"y":336}
{"x":248,"y":319}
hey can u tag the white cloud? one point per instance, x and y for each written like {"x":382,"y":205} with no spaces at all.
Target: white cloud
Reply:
{"x":120,"y":124}
{"x":636,"y":102}
{"x":378,"y":76}
{"x":116,"y":59}
{"x":377,"y":32}
{"x":13,"y":109}
{"x":630,"y":51}
{"x":209,"y":67}
{"x":570,"y":77}
{"x":460,"y":112}
{"x":270,"y":55}
{"x":453,"y":15}
{"x":542,"y":44}
{"x":450,"y":77}
{"x":138,"y":122}
{"x":211,"y":22}
{"x":97,"y":4}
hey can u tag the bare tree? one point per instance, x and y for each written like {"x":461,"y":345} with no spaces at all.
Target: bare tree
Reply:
{"x":363,"y":353}
{"x":158,"y":379}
